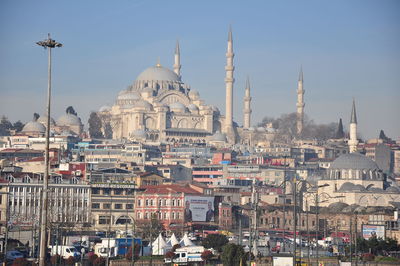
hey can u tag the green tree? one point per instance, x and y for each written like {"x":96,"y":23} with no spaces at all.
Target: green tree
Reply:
{"x":5,"y":126}
{"x":232,"y":254}
{"x":18,"y":126}
{"x":215,"y":241}
{"x":150,"y":228}
{"x":95,"y":126}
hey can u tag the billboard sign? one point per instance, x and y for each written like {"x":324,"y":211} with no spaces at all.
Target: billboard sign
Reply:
{"x":369,"y":231}
{"x":199,"y":209}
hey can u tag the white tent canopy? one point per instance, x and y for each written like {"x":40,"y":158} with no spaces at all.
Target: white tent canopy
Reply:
{"x":173,"y":240}
{"x":185,"y":242}
{"x":159,"y":246}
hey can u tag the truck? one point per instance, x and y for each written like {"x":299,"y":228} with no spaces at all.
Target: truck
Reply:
{"x":118,"y":246}
{"x":65,"y":251}
{"x":186,"y":254}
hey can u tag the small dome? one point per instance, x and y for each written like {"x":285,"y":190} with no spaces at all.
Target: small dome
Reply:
{"x":346,"y":187}
{"x":338,"y":206}
{"x":261,"y":129}
{"x":142,"y":104}
{"x":148,"y":89}
{"x":177,"y":107}
{"x":139,"y":134}
{"x":158,"y":73}
{"x":193,"y":107}
{"x":359,"y":187}
{"x":193,"y":94}
{"x":43,"y":120}
{"x":34,"y":126}
{"x":104,"y":108}
{"x":393,"y":190}
{"x":218,"y":136}
{"x":69,"y":120}
{"x":354,"y":161}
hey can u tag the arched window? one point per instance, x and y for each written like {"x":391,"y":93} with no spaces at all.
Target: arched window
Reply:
{"x":26,"y":179}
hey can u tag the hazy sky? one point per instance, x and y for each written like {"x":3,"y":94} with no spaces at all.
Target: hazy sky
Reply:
{"x":347,"y":49}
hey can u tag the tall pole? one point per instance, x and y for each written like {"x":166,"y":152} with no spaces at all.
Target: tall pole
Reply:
{"x":284,"y":205}
{"x":294,"y":220}
{"x":308,"y":234}
{"x":317,"y":233}
{"x":351,"y":239}
{"x":49,"y":44}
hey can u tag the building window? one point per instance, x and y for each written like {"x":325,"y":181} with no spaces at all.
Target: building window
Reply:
{"x":129,"y":206}
{"x":95,"y":205}
{"x":106,"y":205}
{"x":159,"y":202}
{"x":173,"y":216}
{"x":106,"y":191}
{"x":151,"y":203}
{"x":173,"y":202}
{"x":118,"y":206}
{"x":147,"y":202}
{"x":95,"y":191}
{"x":179,"y":203}
{"x":104,"y":220}
{"x":139,"y":203}
{"x":118,"y":191}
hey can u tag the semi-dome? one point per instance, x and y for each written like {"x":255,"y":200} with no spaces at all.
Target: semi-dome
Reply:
{"x":354,"y":161}
{"x":348,"y":186}
{"x":192,"y":107}
{"x":158,"y":73}
{"x":43,"y":120}
{"x":69,"y":120}
{"x":393,"y":190}
{"x":177,"y":107}
{"x":34,"y":126}
{"x":142,"y":104}
{"x":104,"y":108}
{"x":194,"y":94}
{"x":218,"y":136}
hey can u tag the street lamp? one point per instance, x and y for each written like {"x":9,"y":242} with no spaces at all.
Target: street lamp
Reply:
{"x":48,"y":43}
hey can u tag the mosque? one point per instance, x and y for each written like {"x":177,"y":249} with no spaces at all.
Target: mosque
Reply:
{"x":160,"y":107}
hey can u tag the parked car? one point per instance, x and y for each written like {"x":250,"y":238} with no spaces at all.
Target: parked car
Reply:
{"x":13,"y":255}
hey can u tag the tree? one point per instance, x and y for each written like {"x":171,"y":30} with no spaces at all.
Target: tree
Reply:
{"x":35,"y":116}
{"x":108,"y":132}
{"x":5,"y":126}
{"x":18,"y":126}
{"x":232,"y":254}
{"x":286,"y":127}
{"x":71,"y":110}
{"x":152,"y":227}
{"x":206,"y":255}
{"x":215,"y":241}
{"x":136,"y":249}
{"x":340,"y":131}
{"x":95,"y":126}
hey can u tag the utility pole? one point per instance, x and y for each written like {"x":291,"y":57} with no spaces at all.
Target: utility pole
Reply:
{"x":47,"y":44}
{"x":294,"y":187}
{"x":351,"y":240}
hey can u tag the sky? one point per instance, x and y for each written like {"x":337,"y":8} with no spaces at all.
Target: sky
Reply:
{"x":346,"y":48}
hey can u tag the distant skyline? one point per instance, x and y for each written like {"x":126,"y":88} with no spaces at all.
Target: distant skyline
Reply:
{"x":347,"y":49}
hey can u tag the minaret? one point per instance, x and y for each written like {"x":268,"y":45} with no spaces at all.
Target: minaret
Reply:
{"x":300,"y":103}
{"x":229,"y":68}
{"x":353,"y":142}
{"x":247,"y":102}
{"x":177,"y":64}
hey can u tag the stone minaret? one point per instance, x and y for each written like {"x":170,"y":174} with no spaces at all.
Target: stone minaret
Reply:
{"x":229,"y":68}
{"x":177,"y":64}
{"x":353,"y":142}
{"x":300,"y":103}
{"x":246,"y":108}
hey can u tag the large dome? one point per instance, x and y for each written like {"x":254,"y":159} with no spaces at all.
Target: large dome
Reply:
{"x":34,"y":126}
{"x":69,"y":120}
{"x":158,"y":73}
{"x":354,"y":161}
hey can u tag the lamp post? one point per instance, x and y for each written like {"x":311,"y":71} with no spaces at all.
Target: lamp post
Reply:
{"x":47,"y":44}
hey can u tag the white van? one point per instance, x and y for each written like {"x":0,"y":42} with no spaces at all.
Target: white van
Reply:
{"x":65,"y":251}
